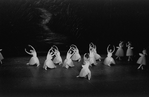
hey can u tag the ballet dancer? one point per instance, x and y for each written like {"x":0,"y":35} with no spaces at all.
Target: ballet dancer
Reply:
{"x":57,"y":59}
{"x":109,"y":60}
{"x":129,"y":52}
{"x":1,"y":56}
{"x":48,"y":62}
{"x":85,"y":72}
{"x":94,"y":48}
{"x":85,"y":57}
{"x":142,"y":59}
{"x":92,"y":55}
{"x":68,"y":61}
{"x":76,"y":56}
{"x":119,"y":53}
{"x":34,"y":59}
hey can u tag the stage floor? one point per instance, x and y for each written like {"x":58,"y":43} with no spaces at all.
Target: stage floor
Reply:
{"x":120,"y":80}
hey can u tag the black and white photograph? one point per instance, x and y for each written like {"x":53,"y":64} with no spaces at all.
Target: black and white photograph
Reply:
{"x":69,"y":48}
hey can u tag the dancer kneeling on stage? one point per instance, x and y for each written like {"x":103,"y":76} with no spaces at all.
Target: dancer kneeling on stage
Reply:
{"x":48,"y":62}
{"x":68,"y":61}
{"x":57,"y":59}
{"x":85,"y":72}
{"x":92,"y":56}
{"x":76,"y":56}
{"x":34,"y":59}
{"x":109,"y":60}
{"x":94,"y":49}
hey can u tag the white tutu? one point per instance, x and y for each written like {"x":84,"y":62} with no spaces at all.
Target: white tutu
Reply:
{"x":97,"y":56}
{"x":57,"y":59}
{"x":34,"y":60}
{"x":68,"y":63}
{"x":92,"y":58}
{"x":129,"y":52}
{"x":76,"y":56}
{"x":108,"y":61}
{"x":119,"y":52}
{"x":85,"y":71}
{"x":142,"y":60}
{"x":49,"y":63}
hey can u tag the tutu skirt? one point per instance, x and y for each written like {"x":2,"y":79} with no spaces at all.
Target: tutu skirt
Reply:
{"x":57,"y":60}
{"x":142,"y":60}
{"x":49,"y":63}
{"x":119,"y":52}
{"x":108,"y":61}
{"x":76,"y":57}
{"x":68,"y":63}
{"x":129,"y":52}
{"x":33,"y":61}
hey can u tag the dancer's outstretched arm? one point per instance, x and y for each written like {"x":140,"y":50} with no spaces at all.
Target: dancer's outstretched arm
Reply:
{"x":113,"y":48}
{"x":55,"y":47}
{"x":108,"y":48}
{"x":28,"y":52}
{"x":32,"y":47}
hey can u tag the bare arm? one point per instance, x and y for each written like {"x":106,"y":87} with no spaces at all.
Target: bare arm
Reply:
{"x":28,"y":52}
{"x":113,"y":48}
{"x":32,"y":47}
{"x":55,"y":47}
{"x":108,"y":48}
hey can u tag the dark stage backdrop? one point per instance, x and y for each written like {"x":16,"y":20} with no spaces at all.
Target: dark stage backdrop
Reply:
{"x":43,"y":23}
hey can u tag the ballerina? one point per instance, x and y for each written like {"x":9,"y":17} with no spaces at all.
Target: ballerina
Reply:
{"x":48,"y":62}
{"x":142,"y":59}
{"x":34,"y":59}
{"x":129,"y":51}
{"x":1,"y":57}
{"x":58,"y":58}
{"x":92,"y":56}
{"x":97,"y":56}
{"x":109,"y":60}
{"x":68,"y":61}
{"x":85,"y":72}
{"x":76,"y":56}
{"x":85,"y":57}
{"x":119,"y":53}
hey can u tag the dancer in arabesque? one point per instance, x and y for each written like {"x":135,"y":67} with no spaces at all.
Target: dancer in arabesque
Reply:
{"x":34,"y":59}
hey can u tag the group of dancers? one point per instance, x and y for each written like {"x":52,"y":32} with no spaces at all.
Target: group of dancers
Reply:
{"x":54,"y":58}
